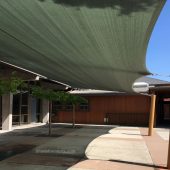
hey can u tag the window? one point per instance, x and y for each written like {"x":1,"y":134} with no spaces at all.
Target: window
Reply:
{"x":38,"y":106}
{"x":84,"y":106}
{"x":56,"y":106}
{"x":69,"y":107}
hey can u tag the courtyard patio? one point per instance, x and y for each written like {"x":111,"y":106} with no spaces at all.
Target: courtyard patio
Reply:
{"x":86,"y":147}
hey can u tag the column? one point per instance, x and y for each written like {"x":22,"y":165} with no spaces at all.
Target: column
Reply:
{"x":7,"y":102}
{"x":45,"y":111}
{"x":152,"y":114}
{"x":34,"y":110}
{"x":29,"y":108}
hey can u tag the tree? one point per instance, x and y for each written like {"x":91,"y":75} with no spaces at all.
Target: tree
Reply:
{"x":14,"y":83}
{"x":48,"y":94}
{"x":60,"y":96}
{"x":10,"y":85}
{"x":74,"y":100}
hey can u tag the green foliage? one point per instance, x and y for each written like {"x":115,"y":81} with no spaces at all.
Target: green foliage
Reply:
{"x":75,"y":99}
{"x":48,"y":94}
{"x":15,"y":82}
{"x":10,"y":85}
{"x":60,"y":96}
{"x":37,"y":92}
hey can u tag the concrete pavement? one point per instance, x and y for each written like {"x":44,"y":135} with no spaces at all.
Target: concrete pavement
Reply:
{"x":83,"y":148}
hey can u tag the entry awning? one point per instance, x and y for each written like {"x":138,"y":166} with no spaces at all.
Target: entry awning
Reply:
{"x":96,"y":44}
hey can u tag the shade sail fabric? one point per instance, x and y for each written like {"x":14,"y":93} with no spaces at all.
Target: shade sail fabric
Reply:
{"x":97,"y":44}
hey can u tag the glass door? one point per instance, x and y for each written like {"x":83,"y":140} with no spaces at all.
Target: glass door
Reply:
{"x":20,"y":109}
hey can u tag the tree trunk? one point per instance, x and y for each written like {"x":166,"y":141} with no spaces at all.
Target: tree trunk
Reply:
{"x":50,"y":112}
{"x":73,"y":116}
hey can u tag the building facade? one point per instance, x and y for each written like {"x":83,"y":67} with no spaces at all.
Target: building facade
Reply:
{"x":106,"y":109}
{"x":103,"y":107}
{"x":22,"y":107}
{"x":119,"y":108}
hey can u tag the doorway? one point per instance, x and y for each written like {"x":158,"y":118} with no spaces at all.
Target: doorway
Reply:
{"x":20,"y":109}
{"x":163,"y":111}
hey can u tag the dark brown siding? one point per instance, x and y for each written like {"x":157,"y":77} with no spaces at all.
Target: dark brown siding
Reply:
{"x":121,"y":110}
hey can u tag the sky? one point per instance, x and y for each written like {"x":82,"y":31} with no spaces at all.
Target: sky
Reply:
{"x":158,"y":52}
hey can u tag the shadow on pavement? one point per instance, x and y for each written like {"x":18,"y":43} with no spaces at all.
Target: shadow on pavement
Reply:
{"x":32,"y":146}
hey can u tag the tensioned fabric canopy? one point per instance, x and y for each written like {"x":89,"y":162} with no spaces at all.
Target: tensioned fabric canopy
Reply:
{"x":97,"y":44}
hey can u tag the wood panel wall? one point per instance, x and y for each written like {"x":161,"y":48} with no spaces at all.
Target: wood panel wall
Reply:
{"x":121,"y":110}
